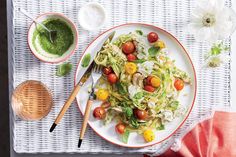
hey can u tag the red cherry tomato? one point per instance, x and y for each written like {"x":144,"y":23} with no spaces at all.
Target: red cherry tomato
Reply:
{"x":140,"y":114}
{"x":179,"y":84}
{"x":128,"y":47}
{"x":148,"y":80}
{"x":131,"y":57}
{"x":120,"y":128}
{"x":112,"y":78}
{"x":99,"y":113}
{"x":106,"y":104}
{"x":152,"y":37}
{"x":107,"y":70}
{"x":149,"y":88}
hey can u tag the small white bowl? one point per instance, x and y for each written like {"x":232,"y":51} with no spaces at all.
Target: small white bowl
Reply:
{"x":92,"y":16}
{"x":45,"y":56}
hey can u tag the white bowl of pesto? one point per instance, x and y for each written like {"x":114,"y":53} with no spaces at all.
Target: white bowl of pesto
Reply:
{"x":65,"y":42}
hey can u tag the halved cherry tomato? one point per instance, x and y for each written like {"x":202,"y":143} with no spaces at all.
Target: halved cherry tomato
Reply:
{"x":130,"y":68}
{"x":128,"y":47}
{"x":149,"y":88}
{"x":107,"y":70}
{"x":99,"y":113}
{"x":140,"y":114}
{"x":131,"y":57}
{"x":179,"y":84}
{"x":152,"y":37}
{"x":120,"y":128}
{"x":155,"y":81}
{"x":148,"y":80}
{"x":106,"y":104}
{"x":112,"y":78}
{"x":102,"y":94}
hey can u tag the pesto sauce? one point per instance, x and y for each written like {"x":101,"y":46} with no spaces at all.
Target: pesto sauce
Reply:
{"x":63,"y":41}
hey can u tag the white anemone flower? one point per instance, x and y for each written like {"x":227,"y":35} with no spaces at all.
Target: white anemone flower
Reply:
{"x":212,"y":21}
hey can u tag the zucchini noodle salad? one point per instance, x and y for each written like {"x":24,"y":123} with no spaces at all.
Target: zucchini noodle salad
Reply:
{"x":140,"y":85}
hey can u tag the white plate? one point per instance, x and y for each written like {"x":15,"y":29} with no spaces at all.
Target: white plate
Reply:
{"x":183,"y":61}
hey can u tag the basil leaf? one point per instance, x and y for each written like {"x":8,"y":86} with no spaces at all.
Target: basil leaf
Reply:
{"x":121,"y":88}
{"x":153,"y":51}
{"x":64,"y":69}
{"x":86,"y":60}
{"x":125,"y":136}
{"x":138,"y":95}
{"x":139,"y":61}
{"x":161,"y":127}
{"x":139,"y":32}
{"x":128,"y":111}
{"x":133,"y":122}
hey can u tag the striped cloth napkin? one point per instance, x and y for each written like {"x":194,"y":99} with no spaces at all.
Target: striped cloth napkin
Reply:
{"x":214,"y":137}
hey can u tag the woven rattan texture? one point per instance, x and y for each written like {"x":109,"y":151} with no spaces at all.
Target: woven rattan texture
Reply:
{"x":172,"y":15}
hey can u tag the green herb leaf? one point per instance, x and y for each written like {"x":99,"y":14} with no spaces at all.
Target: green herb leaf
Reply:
{"x":153,"y":51}
{"x":161,"y":127}
{"x":121,"y":88}
{"x":64,"y":69}
{"x":134,"y":123}
{"x":86,"y":60}
{"x":125,"y":136}
{"x":138,"y":95}
{"x":139,"y":32}
{"x":128,"y":111}
{"x":139,"y":61}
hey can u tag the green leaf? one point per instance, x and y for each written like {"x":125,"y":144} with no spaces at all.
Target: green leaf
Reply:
{"x":138,"y":31}
{"x":125,"y":136}
{"x":121,"y":88}
{"x":161,"y":127}
{"x":134,"y":123}
{"x":174,"y":105}
{"x":128,"y":111}
{"x":138,"y":95}
{"x":86,"y":60}
{"x":153,"y":51}
{"x":139,"y":61}
{"x":63,"y":69}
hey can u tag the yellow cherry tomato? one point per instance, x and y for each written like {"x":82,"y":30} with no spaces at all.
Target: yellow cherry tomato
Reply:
{"x":102,"y":94}
{"x":130,"y":68}
{"x":155,"y":81}
{"x":148,"y":135}
{"x":159,"y":44}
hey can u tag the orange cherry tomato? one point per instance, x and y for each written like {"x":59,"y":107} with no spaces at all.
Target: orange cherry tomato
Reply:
{"x":140,"y":114}
{"x":179,"y":84}
{"x":131,"y":57}
{"x":149,"y":88}
{"x":152,"y":37}
{"x":128,"y":47}
{"x":107,"y":70}
{"x":112,"y":78}
{"x":99,"y":113}
{"x":120,"y":128}
{"x":155,"y":81}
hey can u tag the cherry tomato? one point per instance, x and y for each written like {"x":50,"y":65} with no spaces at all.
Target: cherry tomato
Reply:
{"x":107,"y":70}
{"x":99,"y":113}
{"x":106,"y":104}
{"x":128,"y":47}
{"x":155,"y":81}
{"x":120,"y":128}
{"x":152,"y":37}
{"x":149,"y":88}
{"x":148,"y":80}
{"x":179,"y":84}
{"x":140,"y":114}
{"x":112,"y":78}
{"x":131,"y":57}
